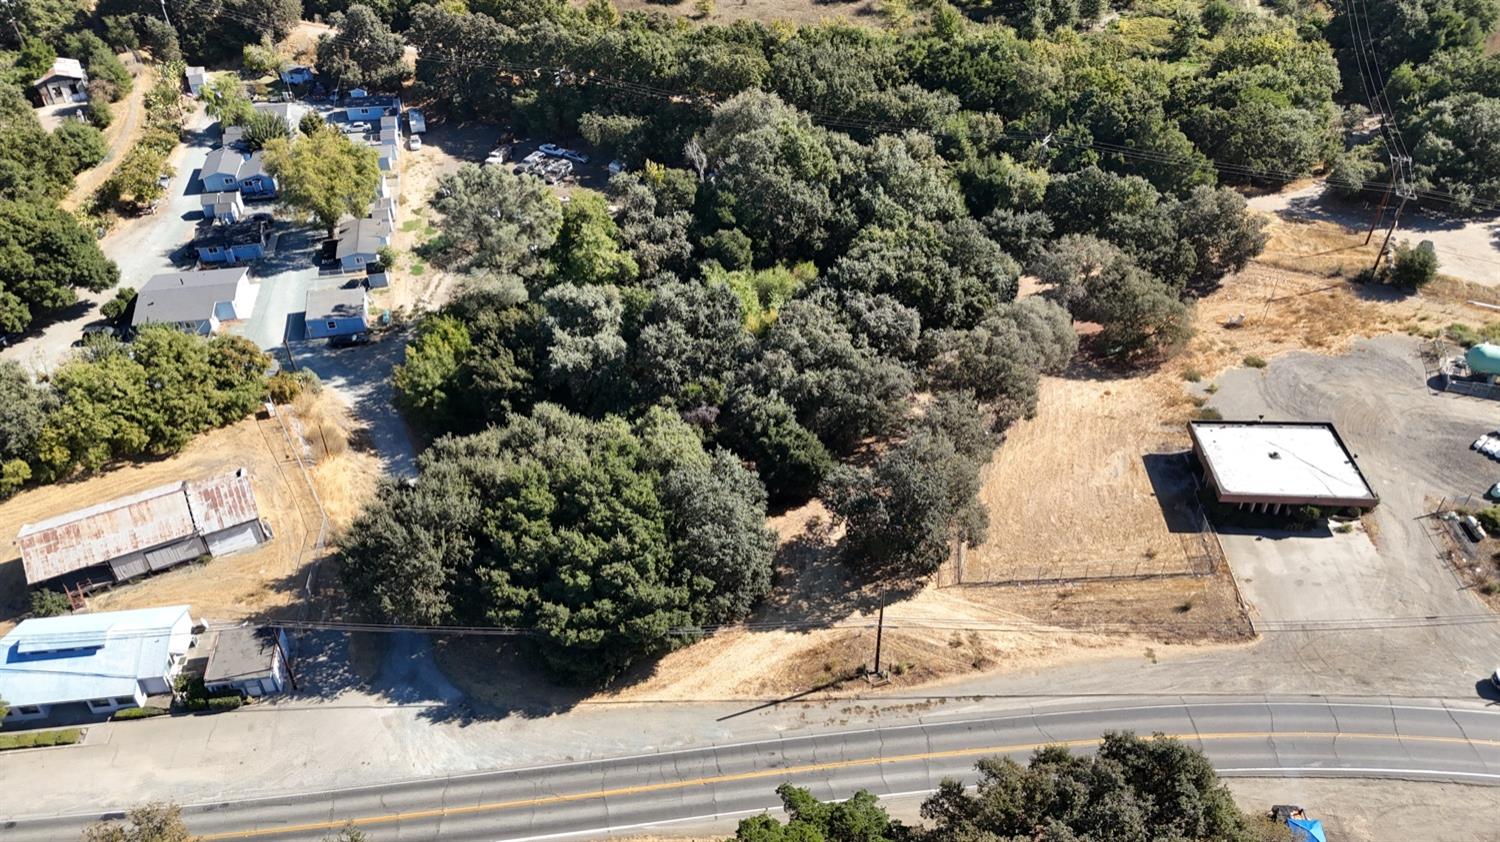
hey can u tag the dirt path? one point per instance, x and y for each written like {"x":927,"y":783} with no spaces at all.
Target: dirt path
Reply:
{"x":121,"y":136}
{"x":1468,"y":249}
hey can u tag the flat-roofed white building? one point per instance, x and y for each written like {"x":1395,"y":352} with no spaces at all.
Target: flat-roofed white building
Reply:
{"x":105,"y":661}
{"x":1270,"y":464}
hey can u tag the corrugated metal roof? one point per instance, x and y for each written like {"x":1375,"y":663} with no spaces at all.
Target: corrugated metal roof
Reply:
{"x":222,"y":502}
{"x":161,"y":515}
{"x":87,"y":656}
{"x":99,"y":533}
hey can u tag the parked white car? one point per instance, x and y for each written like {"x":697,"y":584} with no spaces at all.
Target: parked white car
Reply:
{"x":358,"y":127}
{"x":616,"y":167}
{"x":414,"y":142}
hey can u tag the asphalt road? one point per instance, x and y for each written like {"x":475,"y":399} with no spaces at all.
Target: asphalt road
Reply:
{"x":1355,"y":737}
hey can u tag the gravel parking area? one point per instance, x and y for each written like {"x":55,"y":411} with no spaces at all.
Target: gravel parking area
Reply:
{"x":1413,"y":446}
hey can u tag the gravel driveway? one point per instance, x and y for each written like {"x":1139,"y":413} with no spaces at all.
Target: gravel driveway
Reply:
{"x":1467,"y":248}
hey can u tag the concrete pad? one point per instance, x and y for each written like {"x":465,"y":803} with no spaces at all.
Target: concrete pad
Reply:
{"x":1316,"y":575}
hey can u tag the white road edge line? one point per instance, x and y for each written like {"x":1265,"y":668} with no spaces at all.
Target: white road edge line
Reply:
{"x":604,"y":831}
{"x":1442,"y":705}
{"x":1352,"y":771}
{"x":1271,"y":771}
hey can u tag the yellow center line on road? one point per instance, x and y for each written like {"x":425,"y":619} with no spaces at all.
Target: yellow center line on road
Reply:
{"x":641,"y":789}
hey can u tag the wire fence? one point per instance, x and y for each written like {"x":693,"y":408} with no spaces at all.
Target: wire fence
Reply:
{"x":1199,"y":552}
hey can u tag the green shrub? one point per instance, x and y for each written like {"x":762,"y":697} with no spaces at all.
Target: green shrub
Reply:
{"x":1414,"y":265}
{"x":98,"y":114}
{"x":1489,"y":518}
{"x":1208,"y":413}
{"x":40,"y":739}
{"x":49,"y":603}
{"x":1254,"y":362}
{"x":114,"y":308}
{"x":139,"y":713}
{"x":222,"y":703}
{"x":1192,"y":375}
{"x":1462,"y":334}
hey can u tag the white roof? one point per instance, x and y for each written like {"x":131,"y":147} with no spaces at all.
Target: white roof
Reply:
{"x":1279,"y":460}
{"x":55,"y":660}
{"x":67,"y":68}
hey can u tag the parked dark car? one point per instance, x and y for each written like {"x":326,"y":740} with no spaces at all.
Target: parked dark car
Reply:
{"x":349,"y":340}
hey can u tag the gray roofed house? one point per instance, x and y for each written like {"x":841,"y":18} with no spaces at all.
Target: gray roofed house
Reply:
{"x":360,"y":241}
{"x":236,"y":242}
{"x":336,"y":311}
{"x":388,"y":153}
{"x":64,"y":82}
{"x":224,"y":206}
{"x":249,"y":660}
{"x":384,"y":208}
{"x":197,"y":301}
{"x":196,"y":78}
{"x":290,"y":113}
{"x":229,"y":168}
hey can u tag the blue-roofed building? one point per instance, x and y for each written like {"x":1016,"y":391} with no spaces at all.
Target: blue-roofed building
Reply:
{"x":104,"y":662}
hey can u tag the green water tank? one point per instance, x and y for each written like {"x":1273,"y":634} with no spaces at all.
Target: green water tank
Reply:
{"x":1483,"y":359}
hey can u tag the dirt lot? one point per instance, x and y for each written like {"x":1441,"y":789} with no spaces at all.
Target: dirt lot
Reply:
{"x":931,"y":634}
{"x":124,"y":130}
{"x":262,"y":582}
{"x":1070,"y":489}
{"x":415,"y":284}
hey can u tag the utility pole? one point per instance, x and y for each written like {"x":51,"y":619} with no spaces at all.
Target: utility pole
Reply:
{"x":1405,"y":195}
{"x":164,"y":14}
{"x":879,"y":630}
{"x":1380,"y":211}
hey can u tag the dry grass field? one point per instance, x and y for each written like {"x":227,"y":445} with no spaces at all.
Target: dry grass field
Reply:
{"x":1069,"y":489}
{"x":262,"y":582}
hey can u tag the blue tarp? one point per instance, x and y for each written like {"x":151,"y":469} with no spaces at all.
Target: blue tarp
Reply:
{"x":1306,"y":830}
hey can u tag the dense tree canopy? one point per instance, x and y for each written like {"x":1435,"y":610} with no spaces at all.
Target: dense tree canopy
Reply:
{"x":324,"y":175}
{"x":148,"y":398}
{"x":362,"y":51}
{"x":602,"y":536}
{"x":494,"y":221}
{"x":1132,"y":790}
{"x":45,"y":257}
{"x":815,"y":251}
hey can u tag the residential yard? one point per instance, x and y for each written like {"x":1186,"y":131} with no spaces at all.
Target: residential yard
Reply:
{"x":257,"y":583}
{"x":417,"y":285}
